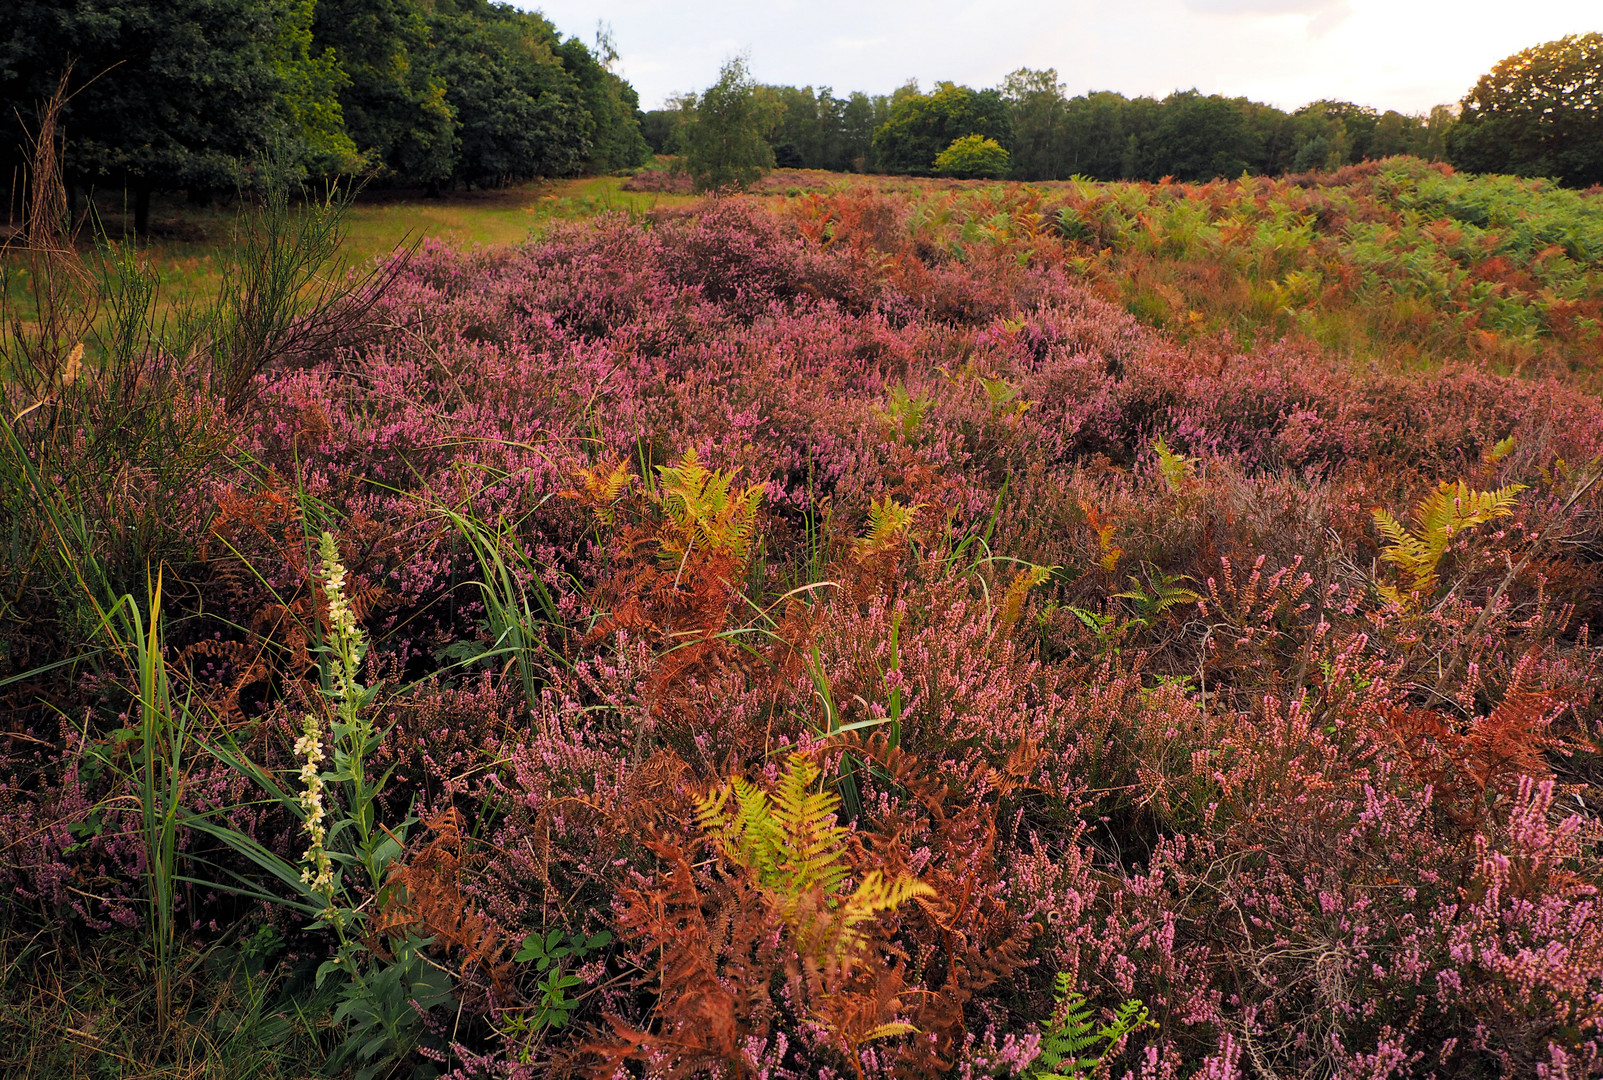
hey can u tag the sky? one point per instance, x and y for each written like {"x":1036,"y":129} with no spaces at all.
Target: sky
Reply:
{"x":1406,"y":55}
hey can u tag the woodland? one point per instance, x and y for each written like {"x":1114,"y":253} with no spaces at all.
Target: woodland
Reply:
{"x":844,"y":626}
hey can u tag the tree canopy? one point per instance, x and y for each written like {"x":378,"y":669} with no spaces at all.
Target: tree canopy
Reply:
{"x":203,"y":95}
{"x":185,"y":93}
{"x":919,"y":126}
{"x":724,"y":132}
{"x":1537,"y":113}
{"x":1102,"y":135}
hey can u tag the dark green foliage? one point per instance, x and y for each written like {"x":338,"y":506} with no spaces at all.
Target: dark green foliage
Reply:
{"x":1069,"y":1038}
{"x":920,"y":126}
{"x":547,"y":951}
{"x":382,"y":1024}
{"x":395,"y":109}
{"x":209,"y":95}
{"x":657,"y":128}
{"x":176,"y":93}
{"x":860,"y":117}
{"x":1537,"y":113}
{"x":724,"y":132}
{"x":822,"y":131}
{"x":798,"y":140}
{"x":1199,"y":138}
{"x":1192,"y":136}
{"x":1040,"y":120}
{"x":518,"y":110}
{"x":613,"y":105}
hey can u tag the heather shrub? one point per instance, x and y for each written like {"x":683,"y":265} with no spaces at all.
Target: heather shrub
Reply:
{"x":880,"y":518}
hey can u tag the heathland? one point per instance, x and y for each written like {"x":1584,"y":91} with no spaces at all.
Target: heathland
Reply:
{"x":862,"y":627}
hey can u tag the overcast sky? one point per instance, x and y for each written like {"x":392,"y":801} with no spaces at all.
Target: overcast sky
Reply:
{"x":1392,"y":54}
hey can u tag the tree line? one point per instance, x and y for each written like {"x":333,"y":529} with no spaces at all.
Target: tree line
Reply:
{"x":1538,"y":113}
{"x":1048,"y":135}
{"x":211,"y":96}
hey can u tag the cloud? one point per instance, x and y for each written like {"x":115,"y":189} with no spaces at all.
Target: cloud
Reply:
{"x":1328,"y":19}
{"x":1324,"y":15}
{"x":1263,"y":7}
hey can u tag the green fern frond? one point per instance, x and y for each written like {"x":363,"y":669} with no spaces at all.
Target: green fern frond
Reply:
{"x":873,"y":896}
{"x":792,"y":843}
{"x":710,"y":810}
{"x":811,"y":844}
{"x":1070,"y":1032}
{"x":1440,"y":517}
{"x":1012,"y":606}
{"x":705,"y":509}
{"x":1165,"y":593}
{"x":1176,"y":468}
{"x":1070,"y":1036}
{"x":904,"y":413}
{"x":888,"y":523}
{"x":790,"y":840}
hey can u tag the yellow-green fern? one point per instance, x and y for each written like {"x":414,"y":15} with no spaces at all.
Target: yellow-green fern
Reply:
{"x":706,"y":510}
{"x":888,"y":524}
{"x":1175,"y":467}
{"x":1442,"y":515}
{"x":903,"y":413}
{"x":794,"y":846}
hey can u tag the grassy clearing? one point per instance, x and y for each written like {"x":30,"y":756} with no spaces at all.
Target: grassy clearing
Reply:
{"x":188,"y":243}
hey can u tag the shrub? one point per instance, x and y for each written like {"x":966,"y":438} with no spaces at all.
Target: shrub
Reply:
{"x":973,"y":157}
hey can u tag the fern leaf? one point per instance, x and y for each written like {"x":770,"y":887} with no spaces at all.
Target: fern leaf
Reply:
{"x":1437,"y":520}
{"x":874,"y":896}
{"x":1176,"y":468}
{"x":1070,"y":1036}
{"x":888,"y":524}
{"x":1017,"y":590}
{"x":888,"y":1031}
{"x":1500,"y":450}
{"x":792,"y":843}
{"x":704,"y":510}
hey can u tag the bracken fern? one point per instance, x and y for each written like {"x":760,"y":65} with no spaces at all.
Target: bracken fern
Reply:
{"x":796,"y":849}
{"x":1438,"y":519}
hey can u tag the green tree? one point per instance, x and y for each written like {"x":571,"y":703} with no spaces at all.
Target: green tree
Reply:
{"x":1437,"y":131}
{"x":1358,"y":127}
{"x":1040,"y":124}
{"x":519,"y":113}
{"x":394,"y":105}
{"x":1198,"y":137}
{"x":973,"y":157}
{"x":1537,"y":113}
{"x":1098,"y":129}
{"x":613,"y":105}
{"x":860,"y":117}
{"x":657,"y":127}
{"x":798,"y":138}
{"x":920,"y":126}
{"x":191,"y":94}
{"x":724,"y":132}
{"x":310,"y":79}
